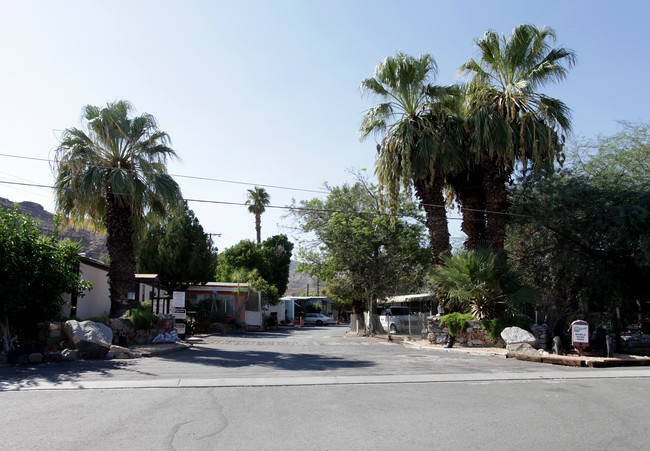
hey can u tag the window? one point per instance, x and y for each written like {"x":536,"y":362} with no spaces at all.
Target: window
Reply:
{"x":227,"y":303}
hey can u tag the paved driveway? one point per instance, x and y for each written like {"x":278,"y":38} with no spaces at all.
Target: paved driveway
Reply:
{"x":318,"y":388}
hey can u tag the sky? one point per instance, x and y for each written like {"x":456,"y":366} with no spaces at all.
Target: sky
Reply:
{"x":266,"y":93}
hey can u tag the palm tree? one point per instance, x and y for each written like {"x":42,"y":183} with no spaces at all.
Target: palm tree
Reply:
{"x":509,"y":119}
{"x":109,"y":175}
{"x":413,"y":150}
{"x":258,"y":199}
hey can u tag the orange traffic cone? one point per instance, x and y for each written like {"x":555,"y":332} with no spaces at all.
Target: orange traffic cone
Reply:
{"x":301,"y":321}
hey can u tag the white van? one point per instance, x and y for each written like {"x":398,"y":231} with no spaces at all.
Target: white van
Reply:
{"x":400,"y":320}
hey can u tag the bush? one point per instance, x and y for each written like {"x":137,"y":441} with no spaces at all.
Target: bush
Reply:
{"x":217,"y":316}
{"x":34,"y":272}
{"x":142,"y":316}
{"x":455,"y":321}
{"x":269,"y":320}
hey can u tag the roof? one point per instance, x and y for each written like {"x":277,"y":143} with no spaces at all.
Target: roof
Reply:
{"x":209,"y":285}
{"x":306,"y":298}
{"x":92,"y":262}
{"x":409,"y":297}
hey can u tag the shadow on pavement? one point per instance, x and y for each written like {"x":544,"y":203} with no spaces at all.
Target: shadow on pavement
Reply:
{"x":204,"y":355}
{"x":21,"y":377}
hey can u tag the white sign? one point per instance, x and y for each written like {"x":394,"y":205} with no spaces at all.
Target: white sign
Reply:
{"x":178,"y":299}
{"x":180,"y":313}
{"x":180,"y":328}
{"x":580,"y":333}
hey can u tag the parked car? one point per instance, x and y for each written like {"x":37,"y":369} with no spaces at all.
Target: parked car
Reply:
{"x":400,"y":319}
{"x":317,"y":319}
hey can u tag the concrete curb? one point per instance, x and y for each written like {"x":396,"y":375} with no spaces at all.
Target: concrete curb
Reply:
{"x":166,"y":350}
{"x":466,"y":351}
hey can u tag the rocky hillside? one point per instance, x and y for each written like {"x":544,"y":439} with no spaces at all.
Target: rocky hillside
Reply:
{"x":299,"y":282}
{"x":94,"y":244}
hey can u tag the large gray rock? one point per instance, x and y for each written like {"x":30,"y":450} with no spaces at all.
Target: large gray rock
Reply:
{"x":522,"y":349}
{"x":92,"y":340}
{"x":518,"y":335}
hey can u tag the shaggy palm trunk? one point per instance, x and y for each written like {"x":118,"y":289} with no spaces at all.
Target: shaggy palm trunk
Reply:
{"x":468,"y":186}
{"x":496,"y":204}
{"x":433,"y":201}
{"x":119,"y":242}
{"x":258,"y":227}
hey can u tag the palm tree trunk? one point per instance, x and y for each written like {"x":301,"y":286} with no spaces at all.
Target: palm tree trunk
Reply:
{"x":468,"y":186}
{"x":258,"y":227}
{"x":119,"y":242}
{"x":496,"y":203}
{"x":433,"y":201}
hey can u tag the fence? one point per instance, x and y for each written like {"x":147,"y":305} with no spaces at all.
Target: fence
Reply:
{"x":413,"y":326}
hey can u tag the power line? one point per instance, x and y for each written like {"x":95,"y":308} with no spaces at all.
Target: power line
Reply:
{"x":221,"y":202}
{"x":255,"y":184}
{"x":192,"y":177}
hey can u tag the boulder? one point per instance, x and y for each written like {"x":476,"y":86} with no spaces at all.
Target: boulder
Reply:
{"x":92,"y":340}
{"x":35,"y":357}
{"x":522,"y":349}
{"x":512,"y":335}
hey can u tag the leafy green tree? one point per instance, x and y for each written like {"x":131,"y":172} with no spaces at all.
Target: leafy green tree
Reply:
{"x":360,"y":250}
{"x":414,"y":148}
{"x":270,"y":261}
{"x":509,"y":119}
{"x":623,"y":155}
{"x":177,"y":249}
{"x":257,"y":201}
{"x":277,"y":251}
{"x":583,"y":241}
{"x":110,"y":174}
{"x":34,"y":272}
{"x":245,"y":255}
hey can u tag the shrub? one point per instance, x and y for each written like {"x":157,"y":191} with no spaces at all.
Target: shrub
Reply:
{"x":218,"y":316}
{"x":480,"y":281}
{"x":142,"y":316}
{"x":455,"y":321}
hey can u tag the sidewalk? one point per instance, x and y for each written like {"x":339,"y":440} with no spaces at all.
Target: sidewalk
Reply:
{"x":618,"y":360}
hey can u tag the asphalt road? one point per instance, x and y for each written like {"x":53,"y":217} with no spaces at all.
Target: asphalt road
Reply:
{"x":317,"y":388}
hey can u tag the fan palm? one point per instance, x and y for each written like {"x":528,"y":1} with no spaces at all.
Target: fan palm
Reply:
{"x":258,"y":199}
{"x":109,"y":175}
{"x":411,"y":120}
{"x":510,"y":120}
{"x":474,"y":281}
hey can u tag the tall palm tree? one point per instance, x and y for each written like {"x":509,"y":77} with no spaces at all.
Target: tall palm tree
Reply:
{"x":510,"y":120}
{"x":411,"y":152}
{"x":258,"y":199}
{"x":110,"y":174}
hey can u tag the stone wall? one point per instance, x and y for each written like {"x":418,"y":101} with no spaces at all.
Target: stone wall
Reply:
{"x":124,"y":330}
{"x":53,"y":334}
{"x":473,"y":336}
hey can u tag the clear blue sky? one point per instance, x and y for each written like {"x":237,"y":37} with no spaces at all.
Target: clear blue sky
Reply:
{"x":267,"y":92}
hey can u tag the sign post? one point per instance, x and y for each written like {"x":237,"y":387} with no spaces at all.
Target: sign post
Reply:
{"x":580,"y":335}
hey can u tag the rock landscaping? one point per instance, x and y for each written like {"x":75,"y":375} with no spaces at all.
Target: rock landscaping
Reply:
{"x":472,"y":336}
{"x":72,"y":340}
